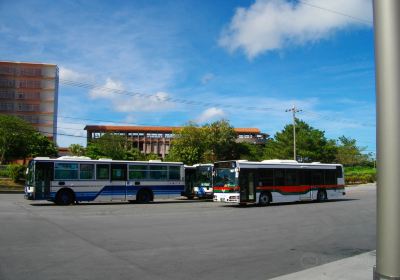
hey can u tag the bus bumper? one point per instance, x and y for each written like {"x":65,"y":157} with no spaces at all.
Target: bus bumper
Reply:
{"x":227,"y":197}
{"x":29,"y":196}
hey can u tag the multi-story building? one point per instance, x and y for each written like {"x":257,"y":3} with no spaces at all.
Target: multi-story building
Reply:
{"x":30,"y":91}
{"x":157,"y":139}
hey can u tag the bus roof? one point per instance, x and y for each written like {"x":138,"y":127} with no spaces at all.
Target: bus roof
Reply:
{"x":276,"y":163}
{"x":102,"y":160}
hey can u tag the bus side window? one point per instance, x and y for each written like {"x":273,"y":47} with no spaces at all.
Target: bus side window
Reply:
{"x":330,"y":177}
{"x":158,"y":172}
{"x":174,"y":173}
{"x":118,"y":172}
{"x":291,"y":178}
{"x":279,"y":177}
{"x":266,"y":176}
{"x":66,"y":171}
{"x":304,"y":177}
{"x":317,"y":177}
{"x":86,"y":171}
{"x":103,"y":172}
{"x":339,"y":172}
{"x":138,"y":172}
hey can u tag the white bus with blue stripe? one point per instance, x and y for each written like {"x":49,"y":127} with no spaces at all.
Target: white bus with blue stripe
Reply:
{"x":66,"y":180}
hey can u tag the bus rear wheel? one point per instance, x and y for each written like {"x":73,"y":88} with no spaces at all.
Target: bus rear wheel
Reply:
{"x":64,"y":197}
{"x":265,"y":199}
{"x":322,"y":196}
{"x":144,"y":196}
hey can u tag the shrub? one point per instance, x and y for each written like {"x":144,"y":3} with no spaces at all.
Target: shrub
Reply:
{"x":16,"y":172}
{"x":360,"y":175}
{"x":3,"y":171}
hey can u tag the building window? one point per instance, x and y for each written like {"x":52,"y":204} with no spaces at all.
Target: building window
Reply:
{"x":6,"y":107}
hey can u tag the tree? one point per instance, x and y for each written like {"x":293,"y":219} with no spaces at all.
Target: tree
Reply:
{"x":311,"y":144}
{"x":18,"y":139}
{"x":220,"y":141}
{"x":188,"y":145}
{"x":77,"y":150}
{"x":349,"y":154}
{"x":249,"y":151}
{"x":14,"y":136}
{"x":112,"y":146}
{"x":40,"y":145}
{"x":212,"y":142}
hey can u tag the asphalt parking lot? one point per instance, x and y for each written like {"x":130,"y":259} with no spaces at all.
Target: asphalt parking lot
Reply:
{"x":180,"y":239}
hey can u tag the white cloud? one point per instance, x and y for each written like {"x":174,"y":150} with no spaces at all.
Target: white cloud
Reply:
{"x":151,"y":103}
{"x":129,"y":102}
{"x":71,"y":75}
{"x":269,"y":25}
{"x":211,"y":114}
{"x":109,"y":90}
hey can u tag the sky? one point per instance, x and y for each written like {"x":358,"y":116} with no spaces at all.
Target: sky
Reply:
{"x":165,"y":63}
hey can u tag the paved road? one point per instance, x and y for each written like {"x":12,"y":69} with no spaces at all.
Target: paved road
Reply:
{"x":180,"y":239}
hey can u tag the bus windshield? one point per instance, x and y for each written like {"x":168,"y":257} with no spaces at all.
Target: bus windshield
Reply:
{"x":225,"y":177}
{"x":204,"y":175}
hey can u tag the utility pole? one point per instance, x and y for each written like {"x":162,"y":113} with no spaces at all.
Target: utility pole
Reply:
{"x":387,"y":63}
{"x":294,"y":110}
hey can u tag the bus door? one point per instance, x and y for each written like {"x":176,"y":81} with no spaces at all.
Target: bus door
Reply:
{"x":43,"y":177}
{"x":119,"y":183}
{"x":247,"y":186}
{"x":190,"y":180}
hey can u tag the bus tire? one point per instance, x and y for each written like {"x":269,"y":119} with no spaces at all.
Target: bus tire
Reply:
{"x":65,"y":197}
{"x":321,"y":195}
{"x":265,"y":199}
{"x":144,"y":196}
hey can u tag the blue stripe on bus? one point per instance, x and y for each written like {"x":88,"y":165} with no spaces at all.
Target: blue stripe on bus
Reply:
{"x":121,"y":190}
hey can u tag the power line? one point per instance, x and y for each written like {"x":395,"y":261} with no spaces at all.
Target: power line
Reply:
{"x":188,"y":102}
{"x":333,"y":119}
{"x":304,"y":2}
{"x":157,"y":98}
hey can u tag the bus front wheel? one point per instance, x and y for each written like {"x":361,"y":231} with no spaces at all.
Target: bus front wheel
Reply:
{"x":265,"y":199}
{"x":64,"y":197}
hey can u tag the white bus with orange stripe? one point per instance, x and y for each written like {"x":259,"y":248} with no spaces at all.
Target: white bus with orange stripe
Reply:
{"x":242,"y":181}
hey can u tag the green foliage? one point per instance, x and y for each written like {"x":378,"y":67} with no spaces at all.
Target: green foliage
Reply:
{"x":249,"y":151}
{"x":349,"y":154}
{"x":3,"y":171}
{"x":112,"y":146}
{"x":220,"y":141}
{"x":77,"y":150}
{"x":40,"y":145}
{"x":311,"y":144}
{"x":212,"y":142}
{"x":16,"y":172}
{"x":150,"y":156}
{"x":360,"y":175}
{"x":188,"y":145}
{"x":15,"y":136}
{"x":18,"y":139}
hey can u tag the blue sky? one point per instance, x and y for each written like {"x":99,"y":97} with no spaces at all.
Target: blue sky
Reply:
{"x":245,"y":61}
